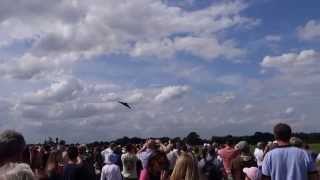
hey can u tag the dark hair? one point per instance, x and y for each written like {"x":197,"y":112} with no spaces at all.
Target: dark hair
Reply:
{"x":12,"y":144}
{"x":72,"y":152}
{"x":112,"y":145}
{"x":229,"y":141}
{"x":282,"y":132}
{"x":130,"y":148}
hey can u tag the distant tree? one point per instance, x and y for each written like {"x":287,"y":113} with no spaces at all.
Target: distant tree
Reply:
{"x":193,"y":139}
{"x":177,"y":139}
{"x":122,"y":141}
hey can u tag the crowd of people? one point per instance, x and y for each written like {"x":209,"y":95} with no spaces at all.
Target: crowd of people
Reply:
{"x":286,"y":158}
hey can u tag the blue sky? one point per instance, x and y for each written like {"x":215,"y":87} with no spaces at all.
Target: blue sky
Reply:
{"x":215,"y":67}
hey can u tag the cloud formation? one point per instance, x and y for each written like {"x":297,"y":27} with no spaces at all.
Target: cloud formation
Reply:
{"x":171,"y":92}
{"x":305,"y":62}
{"x":183,"y":66}
{"x":310,"y":31}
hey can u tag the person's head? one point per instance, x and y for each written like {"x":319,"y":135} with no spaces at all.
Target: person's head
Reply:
{"x":47,"y":147}
{"x":212,"y":152}
{"x":151,"y":144}
{"x":12,"y":145}
{"x":252,"y":173}
{"x":82,"y":149}
{"x":177,"y":145}
{"x":215,"y":145}
{"x":112,"y":146}
{"x":270,"y":145}
{"x":72,"y":153}
{"x":282,"y":132}
{"x":185,"y":169}
{"x":261,"y":145}
{"x":204,"y":153}
{"x":130,"y":148}
{"x":297,"y":142}
{"x":229,"y":141}
{"x":13,"y":171}
{"x":243,"y":147}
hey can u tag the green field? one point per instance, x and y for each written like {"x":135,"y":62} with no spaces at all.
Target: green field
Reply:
{"x":315,"y":147}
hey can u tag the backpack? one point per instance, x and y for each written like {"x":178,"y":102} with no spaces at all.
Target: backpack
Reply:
{"x":213,"y":169}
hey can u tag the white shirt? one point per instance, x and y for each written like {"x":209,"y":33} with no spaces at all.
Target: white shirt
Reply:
{"x":129,"y":162}
{"x":110,"y":172}
{"x":258,"y":154}
{"x":106,"y":153}
{"x":172,"y":157}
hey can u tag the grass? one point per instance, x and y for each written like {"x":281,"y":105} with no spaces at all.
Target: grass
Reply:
{"x":315,"y":147}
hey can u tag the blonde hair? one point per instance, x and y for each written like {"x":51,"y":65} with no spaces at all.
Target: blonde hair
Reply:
{"x":186,"y":168}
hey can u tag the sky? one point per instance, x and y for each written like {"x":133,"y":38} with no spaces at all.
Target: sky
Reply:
{"x":216,"y":67}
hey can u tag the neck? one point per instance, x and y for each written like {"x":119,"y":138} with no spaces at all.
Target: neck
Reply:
{"x":282,"y":143}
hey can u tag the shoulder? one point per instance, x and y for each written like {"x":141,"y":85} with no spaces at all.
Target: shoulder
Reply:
{"x":20,"y":168}
{"x":292,"y":150}
{"x":105,"y":167}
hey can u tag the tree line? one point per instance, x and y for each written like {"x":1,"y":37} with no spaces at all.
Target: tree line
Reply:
{"x":193,"y":138}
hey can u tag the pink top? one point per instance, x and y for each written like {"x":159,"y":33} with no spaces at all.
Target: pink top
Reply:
{"x":227,"y":154}
{"x":144,"y":175}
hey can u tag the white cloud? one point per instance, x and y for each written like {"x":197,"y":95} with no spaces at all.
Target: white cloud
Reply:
{"x":63,"y":95}
{"x":32,"y":67}
{"x":135,"y":97}
{"x":94,"y":28}
{"x":305,"y":62}
{"x":61,"y":32}
{"x":97,"y":110}
{"x":171,"y":92}
{"x":310,"y":31}
{"x":63,"y":90}
{"x":208,"y":48}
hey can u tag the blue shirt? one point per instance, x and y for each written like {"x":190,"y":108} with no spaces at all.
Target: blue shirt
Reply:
{"x":288,"y":163}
